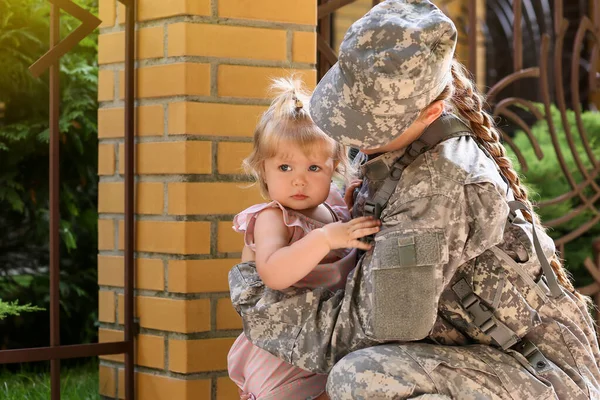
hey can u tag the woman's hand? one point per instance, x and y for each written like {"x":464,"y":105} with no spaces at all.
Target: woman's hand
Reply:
{"x":349,"y":195}
{"x":342,"y":235}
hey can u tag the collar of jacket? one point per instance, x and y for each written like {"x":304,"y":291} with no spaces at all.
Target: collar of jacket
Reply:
{"x":377,"y":168}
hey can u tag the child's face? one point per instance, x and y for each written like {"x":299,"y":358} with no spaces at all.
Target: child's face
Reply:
{"x":298,"y":181}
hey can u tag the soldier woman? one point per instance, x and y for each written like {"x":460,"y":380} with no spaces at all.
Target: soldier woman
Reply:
{"x":462,"y":295}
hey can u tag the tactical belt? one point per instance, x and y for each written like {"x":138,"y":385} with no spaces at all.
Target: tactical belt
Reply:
{"x":483,"y":316}
{"x":552,"y":281}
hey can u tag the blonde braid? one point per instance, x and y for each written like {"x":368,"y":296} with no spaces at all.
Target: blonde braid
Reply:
{"x":468,"y":102}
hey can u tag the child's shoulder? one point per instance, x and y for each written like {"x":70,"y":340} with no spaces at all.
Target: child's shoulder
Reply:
{"x":246,"y":218}
{"x":272,"y":213}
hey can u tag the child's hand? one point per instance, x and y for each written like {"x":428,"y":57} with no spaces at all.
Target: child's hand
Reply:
{"x":342,"y":235}
{"x":349,"y":195}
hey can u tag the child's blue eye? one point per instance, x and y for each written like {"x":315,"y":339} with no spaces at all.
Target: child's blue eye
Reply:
{"x":285,"y":168}
{"x":314,"y":168}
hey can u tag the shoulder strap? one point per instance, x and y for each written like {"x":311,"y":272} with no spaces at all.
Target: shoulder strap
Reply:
{"x":553,"y":284}
{"x":483,"y":316}
{"x":446,"y":127}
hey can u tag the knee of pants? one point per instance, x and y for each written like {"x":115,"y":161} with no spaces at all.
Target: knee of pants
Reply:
{"x":381,"y":372}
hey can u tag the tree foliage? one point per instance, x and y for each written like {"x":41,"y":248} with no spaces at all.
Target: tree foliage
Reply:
{"x":24,"y":160}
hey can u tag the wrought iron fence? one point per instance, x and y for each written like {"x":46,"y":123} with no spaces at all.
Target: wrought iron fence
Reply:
{"x":56,"y":352}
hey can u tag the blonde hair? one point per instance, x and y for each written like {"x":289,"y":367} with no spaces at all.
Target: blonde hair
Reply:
{"x":463,"y":97}
{"x":288,"y":121}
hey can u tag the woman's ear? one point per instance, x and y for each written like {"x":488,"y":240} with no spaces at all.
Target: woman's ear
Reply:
{"x":432,"y":112}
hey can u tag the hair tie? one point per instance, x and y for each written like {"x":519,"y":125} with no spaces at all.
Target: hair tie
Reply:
{"x":298,"y":104}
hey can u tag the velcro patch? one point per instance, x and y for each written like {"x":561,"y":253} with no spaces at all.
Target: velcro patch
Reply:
{"x":405,"y":269}
{"x":410,"y":249}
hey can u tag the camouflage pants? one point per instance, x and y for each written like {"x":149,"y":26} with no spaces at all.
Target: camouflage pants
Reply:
{"x":427,"y":372}
{"x":360,"y":368}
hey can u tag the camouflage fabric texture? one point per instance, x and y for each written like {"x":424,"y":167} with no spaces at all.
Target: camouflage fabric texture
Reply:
{"x":426,"y":371}
{"x":393,"y":62}
{"x":401,"y":328}
{"x":446,"y":221}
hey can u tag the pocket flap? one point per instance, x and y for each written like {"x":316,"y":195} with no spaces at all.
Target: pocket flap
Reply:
{"x":245,"y":286}
{"x":275,"y":336}
{"x":406,"y":275}
{"x":410,"y":249}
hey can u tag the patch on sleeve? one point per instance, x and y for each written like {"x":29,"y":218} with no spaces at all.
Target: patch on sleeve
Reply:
{"x":407,"y":272}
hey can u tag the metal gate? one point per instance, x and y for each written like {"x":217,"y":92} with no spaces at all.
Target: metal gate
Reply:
{"x":559,"y":67}
{"x":50,"y":61}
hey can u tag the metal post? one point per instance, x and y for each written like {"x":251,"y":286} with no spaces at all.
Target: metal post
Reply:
{"x":324,"y":30}
{"x":517,"y":36}
{"x":473,"y":37}
{"x":129,"y":194}
{"x":54,"y":232}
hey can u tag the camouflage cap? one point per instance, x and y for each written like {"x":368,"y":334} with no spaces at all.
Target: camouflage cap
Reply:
{"x":393,"y":62}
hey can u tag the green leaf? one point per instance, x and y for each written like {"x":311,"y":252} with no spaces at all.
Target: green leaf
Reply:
{"x":13,"y":308}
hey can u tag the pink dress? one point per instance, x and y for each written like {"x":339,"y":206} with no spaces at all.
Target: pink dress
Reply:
{"x":258,"y":372}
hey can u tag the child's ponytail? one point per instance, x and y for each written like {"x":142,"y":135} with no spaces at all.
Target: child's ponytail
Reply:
{"x":289,"y":99}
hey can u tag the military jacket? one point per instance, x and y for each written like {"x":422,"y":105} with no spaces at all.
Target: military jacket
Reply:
{"x":445,"y":223}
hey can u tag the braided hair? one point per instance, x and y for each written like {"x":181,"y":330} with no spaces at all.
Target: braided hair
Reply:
{"x":464,"y":98}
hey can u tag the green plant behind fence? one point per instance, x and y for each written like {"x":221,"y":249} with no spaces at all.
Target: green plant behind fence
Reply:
{"x":15,"y":309}
{"x":546,"y":181}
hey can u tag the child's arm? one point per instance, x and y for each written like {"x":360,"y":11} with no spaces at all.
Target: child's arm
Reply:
{"x":281,"y":265}
{"x":247,"y":254}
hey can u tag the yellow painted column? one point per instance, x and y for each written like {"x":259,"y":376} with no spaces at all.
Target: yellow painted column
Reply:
{"x":203,"y":67}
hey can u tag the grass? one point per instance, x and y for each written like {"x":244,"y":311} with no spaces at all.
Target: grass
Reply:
{"x":76,"y":383}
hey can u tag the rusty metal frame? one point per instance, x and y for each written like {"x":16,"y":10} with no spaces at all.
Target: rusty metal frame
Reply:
{"x":50,"y":61}
{"x":588,"y":34}
{"x":542,"y":73}
{"x":326,"y":9}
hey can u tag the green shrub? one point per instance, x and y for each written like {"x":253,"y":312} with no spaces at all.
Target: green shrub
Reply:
{"x":546,"y":181}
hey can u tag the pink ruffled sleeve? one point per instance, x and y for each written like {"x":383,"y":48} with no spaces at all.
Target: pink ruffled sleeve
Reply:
{"x":245,"y":221}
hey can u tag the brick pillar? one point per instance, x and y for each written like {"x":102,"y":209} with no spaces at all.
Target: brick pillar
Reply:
{"x":202,"y":70}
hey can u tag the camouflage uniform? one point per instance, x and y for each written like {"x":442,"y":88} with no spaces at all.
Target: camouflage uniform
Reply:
{"x":401,"y":329}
